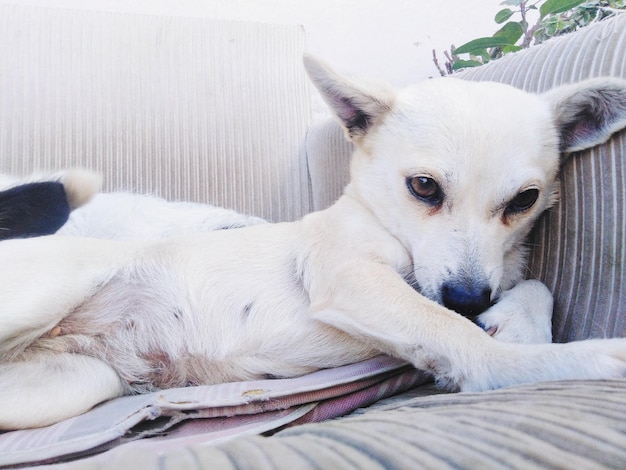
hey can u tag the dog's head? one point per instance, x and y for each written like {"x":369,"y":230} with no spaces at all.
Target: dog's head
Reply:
{"x":40,"y":205}
{"x":459,"y":171}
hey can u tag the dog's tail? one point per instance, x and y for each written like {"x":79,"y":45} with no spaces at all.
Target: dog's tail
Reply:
{"x":40,"y":205}
{"x":80,"y":186}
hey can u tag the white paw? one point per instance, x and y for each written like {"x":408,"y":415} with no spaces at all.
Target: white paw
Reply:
{"x":521,"y":315}
{"x":509,"y":364}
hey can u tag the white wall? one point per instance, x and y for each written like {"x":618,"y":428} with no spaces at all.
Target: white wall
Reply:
{"x":390,"y":40}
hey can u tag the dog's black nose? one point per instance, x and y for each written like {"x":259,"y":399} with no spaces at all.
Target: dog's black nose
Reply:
{"x":467,"y":299}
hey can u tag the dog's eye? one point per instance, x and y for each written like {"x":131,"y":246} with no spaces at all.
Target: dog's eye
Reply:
{"x":425,"y":188}
{"x":522,"y":202}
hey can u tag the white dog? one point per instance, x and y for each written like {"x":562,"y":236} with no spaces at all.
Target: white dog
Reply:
{"x":446,"y":181}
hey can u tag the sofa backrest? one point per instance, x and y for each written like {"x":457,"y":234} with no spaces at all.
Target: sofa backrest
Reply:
{"x":185,"y":108}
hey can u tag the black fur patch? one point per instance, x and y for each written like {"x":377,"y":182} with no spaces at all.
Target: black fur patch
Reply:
{"x":246,"y":310}
{"x":178,"y":313}
{"x":32,"y":210}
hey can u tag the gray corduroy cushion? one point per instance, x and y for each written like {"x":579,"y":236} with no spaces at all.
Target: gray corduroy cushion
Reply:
{"x":557,"y":425}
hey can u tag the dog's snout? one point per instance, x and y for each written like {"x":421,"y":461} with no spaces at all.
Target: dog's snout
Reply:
{"x":468,"y":299}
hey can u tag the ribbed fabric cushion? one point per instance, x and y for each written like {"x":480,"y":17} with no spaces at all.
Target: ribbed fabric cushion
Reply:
{"x":558,"y":425}
{"x":186,"y":108}
{"x":578,"y":248}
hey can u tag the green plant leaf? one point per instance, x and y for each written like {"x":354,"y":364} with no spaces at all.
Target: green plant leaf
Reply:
{"x":558,"y":6}
{"x":511,"y":31}
{"x":515,"y":3}
{"x":482,"y":43}
{"x":503,"y":15}
{"x":482,"y":53}
{"x":507,"y":49}
{"x":462,"y":64}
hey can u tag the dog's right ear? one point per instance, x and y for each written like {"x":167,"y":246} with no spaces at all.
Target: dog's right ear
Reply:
{"x":358,"y":106}
{"x":589,"y":112}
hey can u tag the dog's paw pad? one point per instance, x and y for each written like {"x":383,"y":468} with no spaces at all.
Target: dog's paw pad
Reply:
{"x":490,"y":330}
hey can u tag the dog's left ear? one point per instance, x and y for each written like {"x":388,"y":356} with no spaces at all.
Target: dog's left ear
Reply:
{"x":589,"y":112}
{"x":358,"y":105}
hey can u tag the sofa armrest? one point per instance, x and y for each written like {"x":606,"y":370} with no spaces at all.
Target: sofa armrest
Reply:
{"x":328,"y":161}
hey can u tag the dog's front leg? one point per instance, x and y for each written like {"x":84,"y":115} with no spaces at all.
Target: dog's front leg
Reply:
{"x":370,"y":301}
{"x":522,"y":314}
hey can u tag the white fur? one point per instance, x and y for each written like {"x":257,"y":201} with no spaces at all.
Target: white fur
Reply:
{"x":126,"y":216}
{"x":523,"y":314}
{"x":339,"y":286}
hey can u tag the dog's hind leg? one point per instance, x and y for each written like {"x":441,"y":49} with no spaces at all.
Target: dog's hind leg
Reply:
{"x":50,"y":387}
{"x":43,"y":279}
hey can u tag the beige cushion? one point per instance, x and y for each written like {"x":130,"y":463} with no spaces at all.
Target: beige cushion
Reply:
{"x":185,"y":108}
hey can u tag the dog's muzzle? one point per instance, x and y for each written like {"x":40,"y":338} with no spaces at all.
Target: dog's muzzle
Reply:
{"x":469,"y":299}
